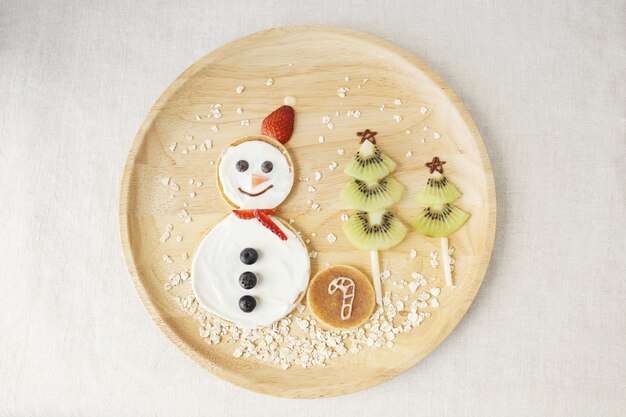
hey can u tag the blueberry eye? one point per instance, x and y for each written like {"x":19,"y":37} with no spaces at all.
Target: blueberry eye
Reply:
{"x":267,"y":166}
{"x":242,"y":165}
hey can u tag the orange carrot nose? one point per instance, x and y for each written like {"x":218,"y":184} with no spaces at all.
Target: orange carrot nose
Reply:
{"x":257,"y":179}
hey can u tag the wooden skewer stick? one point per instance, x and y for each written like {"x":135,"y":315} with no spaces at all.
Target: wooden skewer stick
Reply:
{"x":376,"y":277}
{"x":446,"y":261}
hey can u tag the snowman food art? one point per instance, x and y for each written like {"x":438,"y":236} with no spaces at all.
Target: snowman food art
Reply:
{"x":251,"y":268}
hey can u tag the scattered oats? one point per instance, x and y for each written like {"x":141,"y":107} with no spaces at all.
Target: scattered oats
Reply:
{"x":245,"y":122}
{"x":385,"y":275}
{"x":436,"y":135}
{"x":413,"y":254}
{"x":408,"y":131}
{"x":397,"y":102}
{"x":185,"y":152}
{"x":240,"y":89}
{"x":423,"y":296}
{"x":169,"y":227}
{"x":331,"y":125}
{"x":308,"y":202}
{"x":199,"y":184}
{"x":167,"y":286}
{"x":346,"y":78}
{"x":413,"y":285}
{"x":340,"y":151}
{"x":435,"y":291}
{"x":290,"y":101}
{"x":342,"y":92}
{"x":321,"y":139}
{"x":332,"y":166}
{"x":183,"y":214}
{"x":188,"y":137}
{"x":239,"y":110}
{"x":215,"y":128}
{"x":172,"y":196}
{"x":191,"y":181}
{"x":317,"y":175}
{"x":192,"y":147}
{"x":174,"y":186}
{"x":425,"y":128}
{"x":313,"y":254}
{"x":423,"y":110}
{"x":307,"y":241}
{"x":311,"y":189}
{"x":198,"y":117}
{"x":313,"y":234}
{"x":399,"y":305}
{"x":417,"y":275}
{"x":185,"y":204}
{"x":167,"y":259}
{"x":344,"y":217}
{"x":192,"y":194}
{"x":165,"y":180}
{"x":184,"y":255}
{"x":217,"y":114}
{"x":188,"y":219}
{"x":291,"y":221}
{"x":326,"y":119}
{"x":382,"y":107}
{"x":331,"y":238}
{"x":179,"y":238}
{"x":365,"y":80}
{"x":166,"y":235}
{"x":336,"y":113}
{"x":354,"y":113}
{"x":315,"y":206}
{"x":269,"y":82}
{"x":237,"y":353}
{"x":208,"y":143}
{"x":172,"y":146}
{"x":423,"y":140}
{"x":397,"y":118}
{"x":409,"y":154}
{"x":434,"y":303}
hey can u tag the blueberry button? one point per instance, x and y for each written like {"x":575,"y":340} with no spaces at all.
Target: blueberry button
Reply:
{"x":248,"y":256}
{"x":247,"y":303}
{"x":247,"y":280}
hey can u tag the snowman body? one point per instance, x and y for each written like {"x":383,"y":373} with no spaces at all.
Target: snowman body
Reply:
{"x":254,"y":174}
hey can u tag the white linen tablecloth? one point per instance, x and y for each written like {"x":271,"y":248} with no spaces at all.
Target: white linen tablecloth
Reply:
{"x":544,"y":81}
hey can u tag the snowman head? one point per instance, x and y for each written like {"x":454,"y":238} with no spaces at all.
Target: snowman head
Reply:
{"x":255,"y":172}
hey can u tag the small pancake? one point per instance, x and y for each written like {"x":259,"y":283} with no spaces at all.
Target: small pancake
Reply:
{"x":330,"y":299}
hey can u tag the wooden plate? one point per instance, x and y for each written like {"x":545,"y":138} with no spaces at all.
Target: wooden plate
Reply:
{"x":309,"y":63}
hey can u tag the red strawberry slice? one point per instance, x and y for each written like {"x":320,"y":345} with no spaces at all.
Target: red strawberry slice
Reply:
{"x":249,"y":214}
{"x":267,"y":222}
{"x":279,"y":124}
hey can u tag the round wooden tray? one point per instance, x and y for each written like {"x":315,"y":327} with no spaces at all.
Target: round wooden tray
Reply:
{"x":309,"y":63}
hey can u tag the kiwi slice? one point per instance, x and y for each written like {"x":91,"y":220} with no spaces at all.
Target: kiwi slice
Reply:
{"x":372,"y":195}
{"x":438,"y":191}
{"x":374,"y":231}
{"x":440,"y":221}
{"x":369,"y":163}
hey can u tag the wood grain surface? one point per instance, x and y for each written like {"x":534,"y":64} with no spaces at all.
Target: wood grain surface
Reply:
{"x":309,"y":63}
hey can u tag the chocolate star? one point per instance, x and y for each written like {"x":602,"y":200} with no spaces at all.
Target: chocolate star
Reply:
{"x":435,"y":165}
{"x":367,"y":135}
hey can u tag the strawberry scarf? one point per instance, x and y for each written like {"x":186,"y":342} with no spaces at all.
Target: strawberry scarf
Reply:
{"x":262,"y":215}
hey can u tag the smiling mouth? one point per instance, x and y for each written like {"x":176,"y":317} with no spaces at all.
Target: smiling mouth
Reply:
{"x":254,"y":194}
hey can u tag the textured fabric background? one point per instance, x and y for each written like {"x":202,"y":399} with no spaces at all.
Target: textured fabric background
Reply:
{"x":544,"y":81}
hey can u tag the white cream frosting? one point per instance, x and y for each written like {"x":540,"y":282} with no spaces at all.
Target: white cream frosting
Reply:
{"x":255,"y":152}
{"x":282,"y":271}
